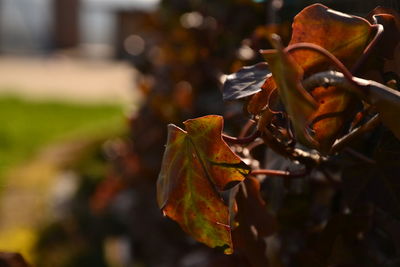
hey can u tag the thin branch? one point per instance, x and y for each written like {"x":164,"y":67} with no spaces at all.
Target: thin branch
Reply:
{"x":255,"y":144}
{"x":330,"y":179}
{"x":359,"y":156}
{"x":246,"y":128}
{"x":241,"y":141}
{"x":365,"y":89}
{"x":325,"y":78}
{"x":287,"y":174}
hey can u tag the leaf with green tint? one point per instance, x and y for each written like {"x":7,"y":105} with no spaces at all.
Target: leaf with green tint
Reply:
{"x":288,"y":75}
{"x":196,"y":164}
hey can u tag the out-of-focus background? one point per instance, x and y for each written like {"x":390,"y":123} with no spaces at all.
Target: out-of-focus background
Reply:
{"x":86,"y":90}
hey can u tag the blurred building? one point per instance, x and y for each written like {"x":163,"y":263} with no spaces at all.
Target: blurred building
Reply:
{"x":40,"y":26}
{"x":99,"y":27}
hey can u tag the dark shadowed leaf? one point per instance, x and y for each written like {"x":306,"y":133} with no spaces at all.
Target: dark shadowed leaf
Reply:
{"x":246,"y":82}
{"x":197,"y":163}
{"x":376,"y":183}
{"x":255,"y":223}
{"x":9,"y":259}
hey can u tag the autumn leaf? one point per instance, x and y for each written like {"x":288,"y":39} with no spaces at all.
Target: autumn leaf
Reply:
{"x":345,"y":37}
{"x":328,"y":108}
{"x":197,"y":164}
{"x":255,"y":223}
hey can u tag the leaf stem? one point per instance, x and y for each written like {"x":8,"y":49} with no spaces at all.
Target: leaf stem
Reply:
{"x":322,"y":51}
{"x":287,"y":174}
{"x":359,"y":155}
{"x":246,"y":128}
{"x":241,"y":141}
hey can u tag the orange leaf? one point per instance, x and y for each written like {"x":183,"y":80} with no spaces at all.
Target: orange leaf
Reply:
{"x":344,"y":36}
{"x":197,"y":163}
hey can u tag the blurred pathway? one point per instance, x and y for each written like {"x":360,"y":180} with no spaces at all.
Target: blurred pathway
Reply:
{"x":27,"y":195}
{"x":67,"y":79}
{"x":29,"y":199}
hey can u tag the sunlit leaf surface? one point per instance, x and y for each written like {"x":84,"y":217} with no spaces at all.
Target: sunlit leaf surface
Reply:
{"x":197,"y":164}
{"x":344,"y":36}
{"x":254,"y":223}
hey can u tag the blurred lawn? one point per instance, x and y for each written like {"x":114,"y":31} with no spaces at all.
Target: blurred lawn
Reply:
{"x":26,"y":126}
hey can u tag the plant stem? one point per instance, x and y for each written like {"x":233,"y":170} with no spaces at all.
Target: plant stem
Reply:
{"x":359,"y":156}
{"x":287,"y":174}
{"x":322,"y":51}
{"x":241,"y":141}
{"x":246,"y":128}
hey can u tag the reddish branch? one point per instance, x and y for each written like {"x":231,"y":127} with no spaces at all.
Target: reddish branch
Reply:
{"x":322,"y":51}
{"x":241,"y":141}
{"x":287,"y":174}
{"x":246,"y":128}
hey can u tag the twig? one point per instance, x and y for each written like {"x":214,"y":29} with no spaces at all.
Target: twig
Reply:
{"x":322,"y":51}
{"x":255,"y":144}
{"x":369,"y":91}
{"x":344,"y":141}
{"x":359,"y":156}
{"x":287,"y":174}
{"x":241,"y":141}
{"x":246,"y":128}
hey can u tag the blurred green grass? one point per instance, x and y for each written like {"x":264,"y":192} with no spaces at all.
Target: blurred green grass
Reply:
{"x":26,"y":126}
